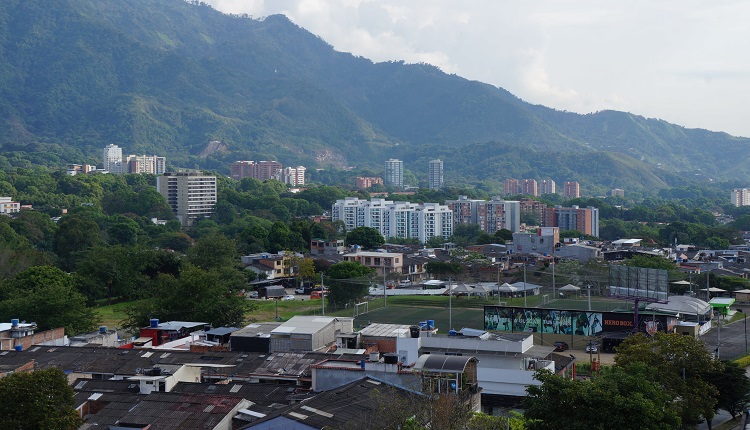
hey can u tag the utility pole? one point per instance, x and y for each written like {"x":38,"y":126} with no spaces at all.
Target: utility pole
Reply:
{"x":450,"y":305}
{"x":385,"y":287}
{"x":524,"y":283}
{"x":323,"y":294}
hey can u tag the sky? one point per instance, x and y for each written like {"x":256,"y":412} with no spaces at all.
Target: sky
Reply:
{"x":683,"y":61}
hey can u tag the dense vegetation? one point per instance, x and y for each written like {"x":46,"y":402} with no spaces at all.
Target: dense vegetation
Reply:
{"x":169,"y":77}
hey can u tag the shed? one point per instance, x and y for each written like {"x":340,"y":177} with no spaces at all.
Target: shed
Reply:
{"x":742,"y":296}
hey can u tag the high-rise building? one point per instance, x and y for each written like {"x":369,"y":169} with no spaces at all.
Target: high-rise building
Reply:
{"x":394,"y":173}
{"x":492,"y":215}
{"x":294,"y":176}
{"x":146,"y":164}
{"x":584,"y":220}
{"x":511,"y":187}
{"x":547,"y":186}
{"x":191,"y":194}
{"x":617,"y":192}
{"x":435,"y":175}
{"x":529,"y":187}
{"x":535,"y":209}
{"x":395,"y":219}
{"x":260,"y":170}
{"x":740,"y":197}
{"x":571,"y":190}
{"x":112,"y":159}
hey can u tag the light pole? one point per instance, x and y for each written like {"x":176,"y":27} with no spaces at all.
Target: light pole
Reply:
{"x":323,"y":294}
{"x":450,"y":305}
{"x":524,"y":283}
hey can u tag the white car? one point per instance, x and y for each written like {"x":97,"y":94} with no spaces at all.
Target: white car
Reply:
{"x":288,"y":297}
{"x":592,"y":348}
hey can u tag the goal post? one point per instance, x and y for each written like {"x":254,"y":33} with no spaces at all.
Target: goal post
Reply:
{"x":361,"y":308}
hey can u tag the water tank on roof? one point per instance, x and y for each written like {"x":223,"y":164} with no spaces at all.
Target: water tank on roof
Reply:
{"x":414,"y":331}
{"x":430,"y":324}
{"x":451,"y":332}
{"x":14,"y":323}
{"x":103,"y":329}
{"x":154,"y":323}
{"x":18,"y":348}
{"x":390,"y":358}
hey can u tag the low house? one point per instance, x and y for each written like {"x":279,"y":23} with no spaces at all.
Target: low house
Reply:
{"x":382,"y":262}
{"x":161,"y":333}
{"x":308,"y":333}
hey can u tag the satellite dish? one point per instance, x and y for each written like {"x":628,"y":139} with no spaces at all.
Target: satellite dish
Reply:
{"x":138,"y":370}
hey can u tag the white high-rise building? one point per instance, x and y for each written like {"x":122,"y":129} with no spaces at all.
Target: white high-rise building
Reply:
{"x":394,"y":173}
{"x":112,"y":159}
{"x":191,"y":194}
{"x":435,"y":175}
{"x":395,"y":219}
{"x":492,"y":215}
{"x":741,"y":197}
{"x":294,"y":176}
{"x":547,"y":186}
{"x":146,"y":164}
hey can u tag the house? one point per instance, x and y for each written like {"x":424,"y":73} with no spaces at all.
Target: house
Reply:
{"x":580,"y":252}
{"x":308,"y":333}
{"x":273,"y":266}
{"x":382,"y":262}
{"x":326,"y":247}
{"x":161,"y":333}
{"x":8,"y":206}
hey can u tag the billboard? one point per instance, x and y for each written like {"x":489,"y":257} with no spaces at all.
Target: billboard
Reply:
{"x":572,"y":322}
{"x":638,"y":282}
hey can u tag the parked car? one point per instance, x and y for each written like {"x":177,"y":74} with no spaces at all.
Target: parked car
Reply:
{"x":252,"y":294}
{"x":592,"y":348}
{"x":300,"y":290}
{"x":561,"y":346}
{"x":288,"y":297}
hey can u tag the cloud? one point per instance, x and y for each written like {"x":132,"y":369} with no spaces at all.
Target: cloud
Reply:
{"x":659,"y":59}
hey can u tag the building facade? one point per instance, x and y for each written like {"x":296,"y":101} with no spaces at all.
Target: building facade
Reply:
{"x":584,"y":220}
{"x":435,"y":175}
{"x":367,"y":181}
{"x":740,"y":197}
{"x":529,"y":187}
{"x":571,"y":190}
{"x":547,"y":186}
{"x":191,"y":194}
{"x":403,"y":220}
{"x":294,"y":176}
{"x":146,"y":164}
{"x":394,"y":173}
{"x":260,"y":170}
{"x":492,"y":215}
{"x":511,"y":187}
{"x":112,"y":159}
{"x":617,"y":192}
{"x":8,"y":206}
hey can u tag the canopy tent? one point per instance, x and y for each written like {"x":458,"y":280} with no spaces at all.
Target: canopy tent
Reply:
{"x":507,"y":288}
{"x":683,"y":282}
{"x":570,"y":288}
{"x":480,"y":290}
{"x":462,"y":289}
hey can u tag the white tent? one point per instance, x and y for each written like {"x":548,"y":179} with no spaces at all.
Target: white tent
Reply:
{"x":507,"y":288}
{"x":570,"y":288}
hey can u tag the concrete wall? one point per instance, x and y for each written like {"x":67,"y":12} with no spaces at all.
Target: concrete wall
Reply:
{"x":477,"y":345}
{"x":54,"y":337}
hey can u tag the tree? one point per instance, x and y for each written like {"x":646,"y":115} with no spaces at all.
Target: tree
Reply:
{"x":682,"y":366}
{"x":348,"y":282}
{"x":443,"y":268}
{"x":38,"y":400}
{"x":366,"y":237}
{"x":213,"y":252}
{"x":733,"y":385}
{"x":48,"y":296}
{"x":617,"y":398}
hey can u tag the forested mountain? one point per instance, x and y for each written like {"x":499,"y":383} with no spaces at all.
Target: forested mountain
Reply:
{"x":168,"y":77}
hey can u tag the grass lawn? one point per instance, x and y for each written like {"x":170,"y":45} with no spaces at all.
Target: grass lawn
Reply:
{"x":112,"y":315}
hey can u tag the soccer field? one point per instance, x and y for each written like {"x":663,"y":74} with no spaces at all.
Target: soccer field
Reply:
{"x":461,"y":317}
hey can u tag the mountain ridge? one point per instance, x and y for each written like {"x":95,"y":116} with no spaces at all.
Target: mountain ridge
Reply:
{"x":169,"y":77}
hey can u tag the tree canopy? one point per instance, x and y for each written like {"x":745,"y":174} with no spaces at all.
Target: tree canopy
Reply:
{"x":38,"y":400}
{"x":348,"y":282}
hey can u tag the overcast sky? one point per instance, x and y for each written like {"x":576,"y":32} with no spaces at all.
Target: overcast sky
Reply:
{"x":684,"y":61}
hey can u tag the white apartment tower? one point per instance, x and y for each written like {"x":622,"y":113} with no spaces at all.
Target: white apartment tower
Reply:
{"x":435,"y":175}
{"x":741,"y":197}
{"x":547,"y":186}
{"x":394,"y":173}
{"x":191,"y":194}
{"x":395,"y":219}
{"x":112,"y":159}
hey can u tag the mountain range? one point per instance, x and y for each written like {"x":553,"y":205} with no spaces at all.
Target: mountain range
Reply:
{"x":183,"y":80}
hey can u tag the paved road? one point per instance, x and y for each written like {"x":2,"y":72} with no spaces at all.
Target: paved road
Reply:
{"x":731,"y":339}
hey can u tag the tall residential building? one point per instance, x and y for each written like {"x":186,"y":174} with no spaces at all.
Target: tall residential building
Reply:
{"x":146,"y":164}
{"x":529,"y":187}
{"x":511,"y":187}
{"x":585,"y":220}
{"x":367,"y":181}
{"x":547,"y":186}
{"x":260,"y":170}
{"x":395,"y":219}
{"x":191,"y":194}
{"x":394,"y":173}
{"x":617,"y":192}
{"x":741,"y":197}
{"x":294,"y":176}
{"x":534,"y":208}
{"x":492,"y":215}
{"x":112,"y":159}
{"x":435,"y":175}
{"x":571,"y":190}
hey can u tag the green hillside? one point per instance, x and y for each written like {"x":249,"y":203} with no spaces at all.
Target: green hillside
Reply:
{"x":168,"y":77}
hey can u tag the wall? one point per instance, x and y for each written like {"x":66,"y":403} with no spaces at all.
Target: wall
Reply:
{"x":55,"y":336}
